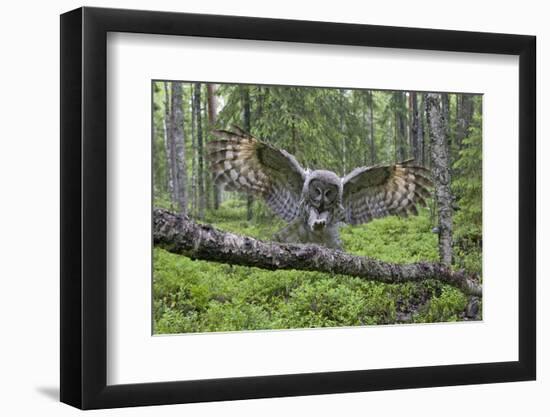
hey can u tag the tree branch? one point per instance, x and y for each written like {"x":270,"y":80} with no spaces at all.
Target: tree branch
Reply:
{"x":182,"y":236}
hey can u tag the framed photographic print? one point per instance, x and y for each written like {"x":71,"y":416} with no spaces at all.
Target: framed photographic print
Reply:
{"x":258,"y":208}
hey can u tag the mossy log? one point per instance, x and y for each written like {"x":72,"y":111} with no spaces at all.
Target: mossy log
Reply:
{"x":178,"y":234}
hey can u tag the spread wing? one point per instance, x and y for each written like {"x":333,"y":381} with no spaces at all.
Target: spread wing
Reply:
{"x":374,"y":192}
{"x":240,"y":162}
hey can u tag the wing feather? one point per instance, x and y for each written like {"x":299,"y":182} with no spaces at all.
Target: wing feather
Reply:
{"x":240,"y":162}
{"x":383,"y":190}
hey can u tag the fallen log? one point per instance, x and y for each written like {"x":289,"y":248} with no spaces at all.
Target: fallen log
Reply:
{"x":180,"y":235}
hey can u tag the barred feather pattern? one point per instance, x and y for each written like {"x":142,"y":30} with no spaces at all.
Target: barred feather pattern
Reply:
{"x":379,"y":191}
{"x":240,"y":162}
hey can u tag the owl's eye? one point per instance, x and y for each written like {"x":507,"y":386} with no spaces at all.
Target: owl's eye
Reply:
{"x":318,"y":191}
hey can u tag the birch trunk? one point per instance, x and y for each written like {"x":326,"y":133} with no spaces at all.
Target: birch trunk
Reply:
{"x":200,"y":151}
{"x":179,"y":140}
{"x":441,"y":175}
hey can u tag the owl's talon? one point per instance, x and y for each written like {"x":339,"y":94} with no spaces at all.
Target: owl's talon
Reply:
{"x":319,"y":224}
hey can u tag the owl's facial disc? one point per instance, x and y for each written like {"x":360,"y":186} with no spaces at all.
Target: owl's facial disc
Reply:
{"x":322,"y":198}
{"x":316,"y":193}
{"x":322,"y":194}
{"x":330,"y":195}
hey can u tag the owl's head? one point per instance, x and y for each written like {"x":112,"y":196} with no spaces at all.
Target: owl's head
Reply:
{"x":322,"y":200}
{"x":323,"y":190}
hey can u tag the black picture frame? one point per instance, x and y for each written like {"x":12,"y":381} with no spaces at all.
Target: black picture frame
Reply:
{"x":84,"y":207}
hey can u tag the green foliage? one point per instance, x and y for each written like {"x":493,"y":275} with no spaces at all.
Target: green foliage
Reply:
{"x":231,"y":217}
{"x":326,"y":128}
{"x":200,"y":296}
{"x":393,"y":239}
{"x":444,"y":307}
{"x":467,"y":187}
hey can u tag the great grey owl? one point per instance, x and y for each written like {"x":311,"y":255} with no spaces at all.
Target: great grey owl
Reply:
{"x":314,"y":202}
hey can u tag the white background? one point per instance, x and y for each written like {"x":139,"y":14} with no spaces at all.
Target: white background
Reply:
{"x":29,"y":219}
{"x":134,"y":356}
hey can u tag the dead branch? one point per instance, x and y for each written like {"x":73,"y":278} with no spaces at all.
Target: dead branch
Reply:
{"x":182,"y":236}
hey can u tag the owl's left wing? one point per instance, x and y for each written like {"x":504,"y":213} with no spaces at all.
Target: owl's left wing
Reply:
{"x":379,"y":191}
{"x":240,"y":162}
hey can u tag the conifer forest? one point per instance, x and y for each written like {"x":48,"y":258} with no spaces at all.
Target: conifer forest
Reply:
{"x":385,"y":244}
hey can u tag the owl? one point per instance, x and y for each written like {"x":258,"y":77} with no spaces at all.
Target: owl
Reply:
{"x":314,"y":203}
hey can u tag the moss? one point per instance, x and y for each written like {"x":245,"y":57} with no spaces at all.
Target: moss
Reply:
{"x":201,"y":296}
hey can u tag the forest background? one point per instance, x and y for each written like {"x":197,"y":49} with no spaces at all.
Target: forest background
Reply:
{"x":328,"y":128}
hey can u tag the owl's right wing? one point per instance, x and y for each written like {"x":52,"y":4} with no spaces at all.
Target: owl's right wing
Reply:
{"x":383,"y":190}
{"x":240,"y":162}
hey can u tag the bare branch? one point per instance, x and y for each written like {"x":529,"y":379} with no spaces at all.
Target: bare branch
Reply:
{"x":182,"y":236}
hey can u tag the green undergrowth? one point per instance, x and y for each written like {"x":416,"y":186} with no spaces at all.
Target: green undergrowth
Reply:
{"x":200,"y":296}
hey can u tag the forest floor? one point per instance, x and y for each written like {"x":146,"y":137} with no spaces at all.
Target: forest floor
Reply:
{"x":201,"y":296}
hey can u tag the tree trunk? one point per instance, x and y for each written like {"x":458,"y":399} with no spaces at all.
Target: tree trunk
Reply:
{"x":179,"y":141}
{"x":200,"y":151}
{"x":395,"y":133}
{"x":207,"y":178}
{"x":167,"y":140}
{"x":245,"y":97}
{"x":400,"y":126}
{"x":420,"y":132}
{"x":179,"y":235}
{"x":194,"y":159}
{"x":445,"y":113}
{"x":465,"y":113}
{"x":426,"y":138}
{"x":415,"y":126}
{"x":294,"y":146}
{"x":212,"y":117}
{"x":371,"y":124}
{"x":441,"y":175}
{"x":342,"y":134}
{"x":173,"y":151}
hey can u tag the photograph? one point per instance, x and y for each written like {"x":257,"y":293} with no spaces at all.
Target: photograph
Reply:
{"x":338,"y":205}
{"x":292,"y":199}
